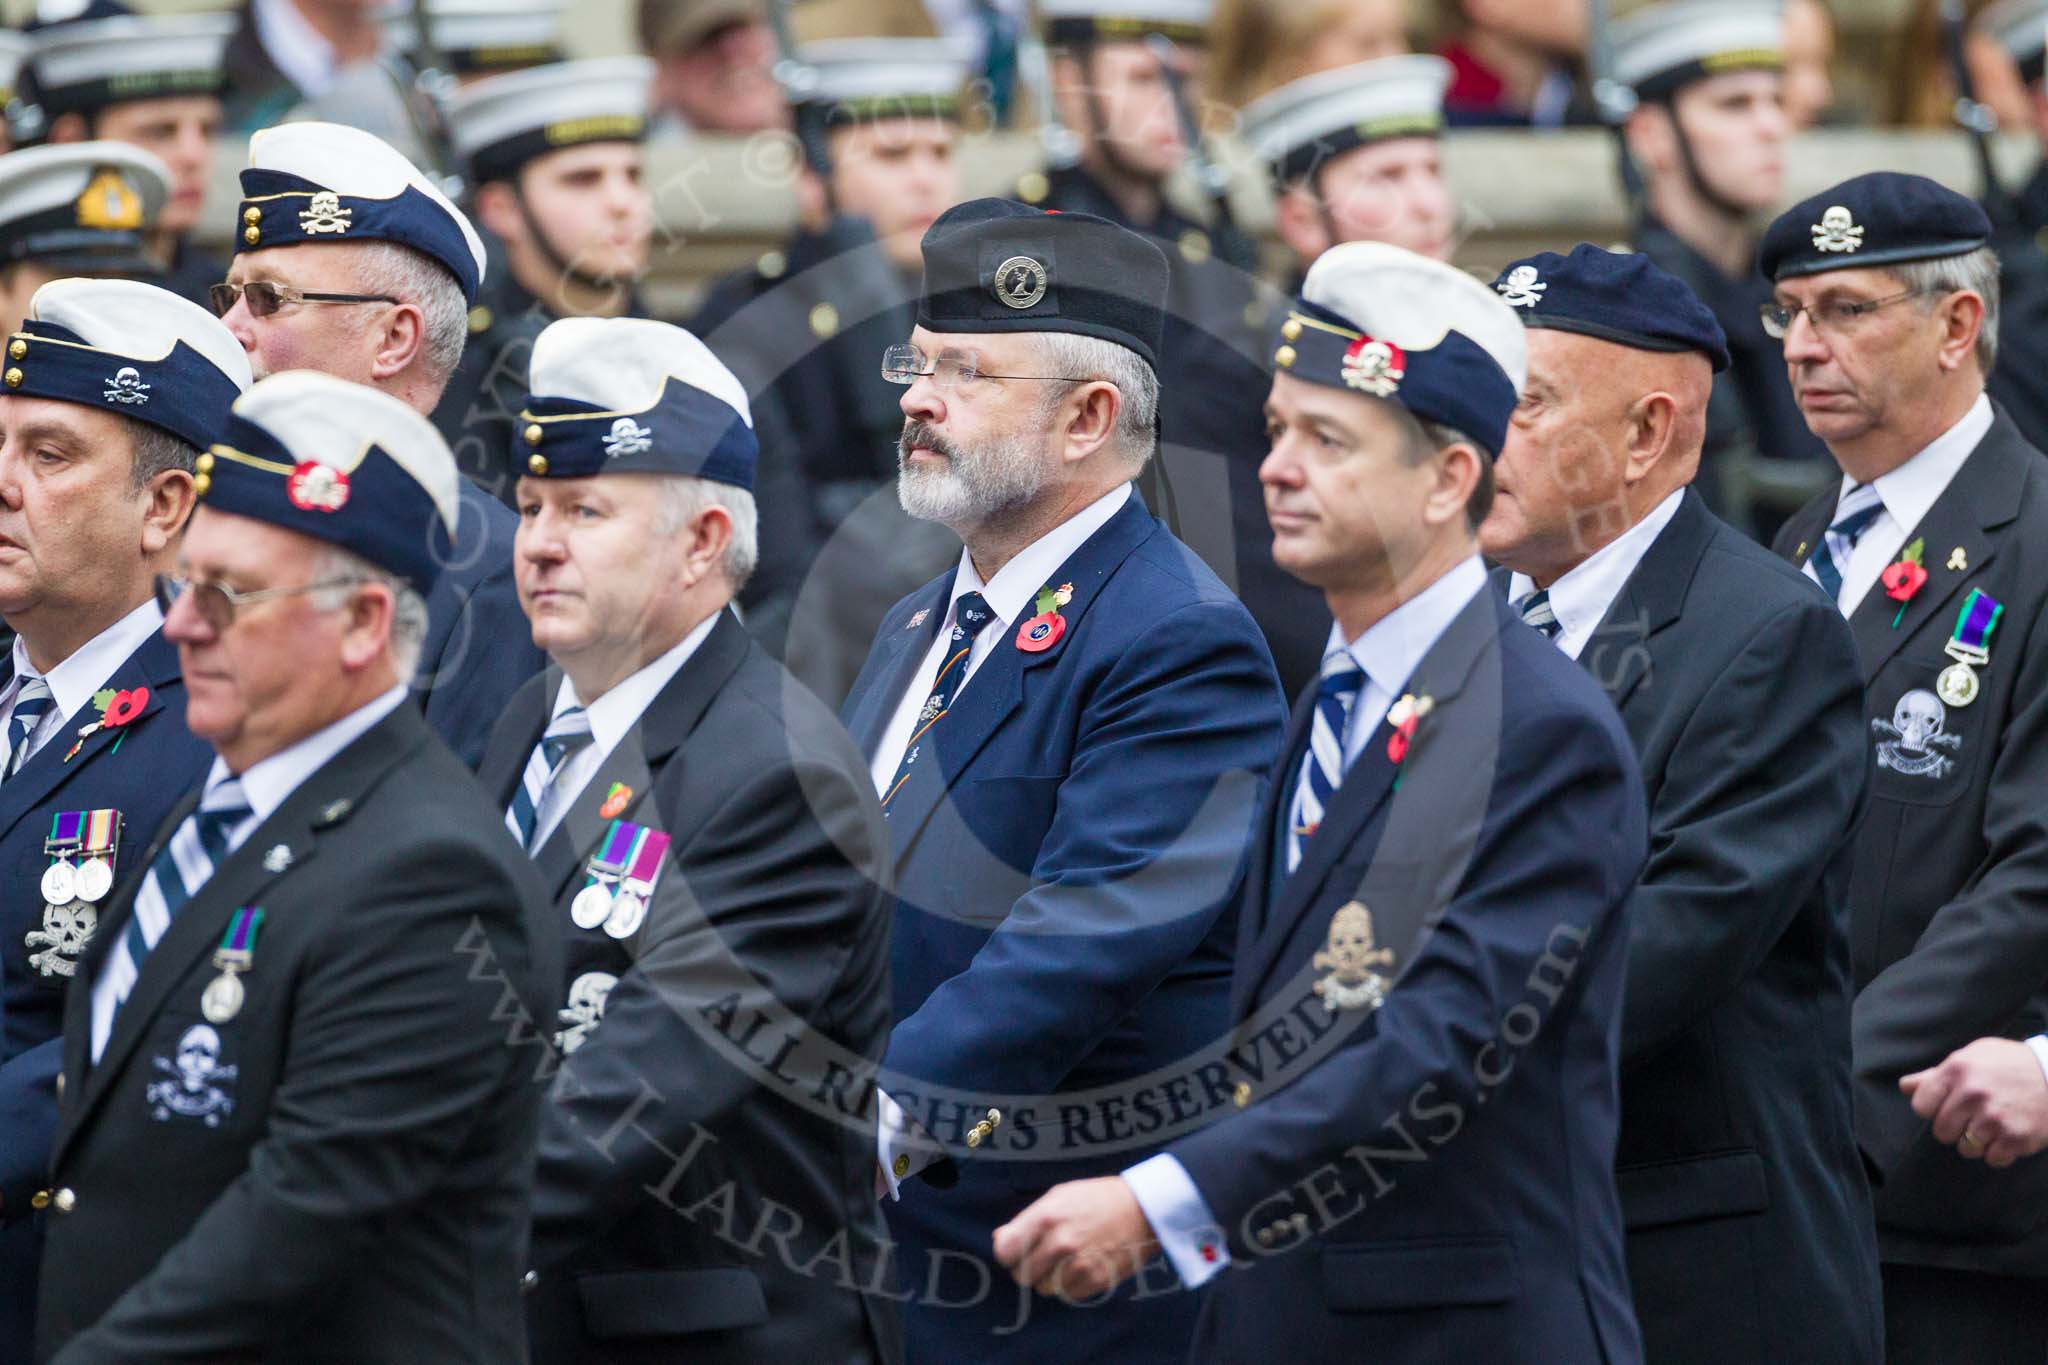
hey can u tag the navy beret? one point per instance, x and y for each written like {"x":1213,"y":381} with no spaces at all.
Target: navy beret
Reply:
{"x":1616,"y":296}
{"x":1884,"y":218}
{"x":633,"y":396}
{"x":994,"y":265}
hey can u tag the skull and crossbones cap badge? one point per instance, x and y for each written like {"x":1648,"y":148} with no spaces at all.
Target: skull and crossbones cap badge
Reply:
{"x":1885,"y":218}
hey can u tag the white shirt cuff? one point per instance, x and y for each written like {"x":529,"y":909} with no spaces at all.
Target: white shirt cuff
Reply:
{"x":2039,"y":1043}
{"x":1180,"y":1218}
{"x":902,"y":1148}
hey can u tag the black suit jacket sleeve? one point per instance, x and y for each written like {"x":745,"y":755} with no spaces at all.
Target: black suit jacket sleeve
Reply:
{"x":1755,"y":790}
{"x":757,"y":914}
{"x":1985,"y":953}
{"x":391,"y":1046}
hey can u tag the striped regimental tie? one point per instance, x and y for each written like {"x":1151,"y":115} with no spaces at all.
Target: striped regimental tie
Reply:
{"x":565,"y":734}
{"x":1859,"y":507}
{"x":1323,"y":767}
{"x":31,"y":704}
{"x":1536,"y":612}
{"x":970,"y":617}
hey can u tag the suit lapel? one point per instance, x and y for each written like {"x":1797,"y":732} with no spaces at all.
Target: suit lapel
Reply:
{"x":997,"y":687}
{"x":321,"y":800}
{"x":526,"y":720}
{"x":1369,"y":783}
{"x":154,"y":665}
{"x":1977,"y":501}
{"x":900,"y":647}
{"x":1651,"y":599}
{"x":657,"y":734}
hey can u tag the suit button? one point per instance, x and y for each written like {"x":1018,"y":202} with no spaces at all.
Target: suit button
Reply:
{"x":1265,"y":1237}
{"x":1241,"y":1096}
{"x":901,"y":1165}
{"x":39,"y":1200}
{"x":529,"y":1281}
{"x":60,"y":1085}
{"x":64,"y":1201}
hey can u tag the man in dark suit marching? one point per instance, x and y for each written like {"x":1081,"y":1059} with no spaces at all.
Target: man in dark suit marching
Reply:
{"x":712,"y":848}
{"x":95,"y":487}
{"x":294,"y":1123}
{"x":1067,"y":732}
{"x":1437,"y":882}
{"x":1935,"y":547}
{"x":1749,"y":1225}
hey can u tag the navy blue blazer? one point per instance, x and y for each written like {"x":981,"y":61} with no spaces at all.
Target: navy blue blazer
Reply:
{"x":479,"y":648}
{"x":1431,"y":1179}
{"x":1064,"y":862}
{"x":157,"y":762}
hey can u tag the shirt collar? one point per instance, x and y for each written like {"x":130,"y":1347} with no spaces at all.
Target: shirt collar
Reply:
{"x":269,"y":781}
{"x":1017,"y":583}
{"x":1393,"y":647}
{"x":73,"y":682}
{"x":1580,"y":598}
{"x":1910,"y":491}
{"x":614,"y":714}
{"x":294,"y":46}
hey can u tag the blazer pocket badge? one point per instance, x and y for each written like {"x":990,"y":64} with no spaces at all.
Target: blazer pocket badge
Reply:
{"x":1349,"y":955}
{"x":195,"y":1084}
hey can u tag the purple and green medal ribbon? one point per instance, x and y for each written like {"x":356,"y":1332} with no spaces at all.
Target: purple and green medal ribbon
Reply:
{"x":67,"y":829}
{"x":238,"y":944}
{"x":1971,"y":639}
{"x":621,"y":842}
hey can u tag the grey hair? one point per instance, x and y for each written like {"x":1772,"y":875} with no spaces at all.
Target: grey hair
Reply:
{"x":1975,"y":271}
{"x":408,"y":612}
{"x":682,"y":498}
{"x":416,"y":278}
{"x":1086,"y":358}
{"x":156,"y":452}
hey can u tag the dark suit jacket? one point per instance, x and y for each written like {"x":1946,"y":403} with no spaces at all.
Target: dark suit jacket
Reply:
{"x":364,"y":1199}
{"x":1063,"y":859}
{"x":1748,"y":1215}
{"x":1949,"y":941}
{"x":158,"y":760}
{"x":1432,"y":1180}
{"x":479,"y":649}
{"x":767,"y":925}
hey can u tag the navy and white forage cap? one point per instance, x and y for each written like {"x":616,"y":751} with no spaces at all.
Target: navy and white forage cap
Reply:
{"x":2021,"y":28}
{"x":632,"y":396}
{"x":1101,"y":21}
{"x":1662,"y":48}
{"x":323,"y":182}
{"x":342,"y":463}
{"x":860,"y":80}
{"x":90,"y":63}
{"x":81,"y":207}
{"x":501,"y":123}
{"x":1617,"y":296}
{"x":1304,"y":123}
{"x":1884,"y":218}
{"x":480,"y":37}
{"x":131,"y":349}
{"x":1382,"y":321}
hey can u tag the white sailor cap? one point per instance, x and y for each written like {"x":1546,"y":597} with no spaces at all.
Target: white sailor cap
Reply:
{"x":81,"y":207}
{"x":1663,"y":47}
{"x":131,"y":349}
{"x":1085,"y":21}
{"x":480,"y":37}
{"x":323,"y":182}
{"x":1304,"y":123}
{"x":14,"y":50}
{"x":340,"y":462}
{"x":85,"y":65}
{"x":860,"y":80}
{"x":502,"y":122}
{"x":2021,"y":28}
{"x":631,"y":396}
{"x":1388,"y":323}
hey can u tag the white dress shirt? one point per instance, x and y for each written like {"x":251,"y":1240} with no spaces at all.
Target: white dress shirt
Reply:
{"x":73,"y":682}
{"x":1580,"y":598}
{"x":1907,"y":493}
{"x":1389,"y":651}
{"x":266,"y":786}
{"x":295,"y":47}
{"x":1014,"y":589}
{"x":612,"y":718}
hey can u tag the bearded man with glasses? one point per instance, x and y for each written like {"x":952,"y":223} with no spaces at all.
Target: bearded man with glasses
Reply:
{"x":1935,"y":547}
{"x":111,"y":390}
{"x":350,"y":262}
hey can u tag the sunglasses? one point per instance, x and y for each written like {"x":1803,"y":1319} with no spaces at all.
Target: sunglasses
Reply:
{"x":265,"y":297}
{"x":216,"y":605}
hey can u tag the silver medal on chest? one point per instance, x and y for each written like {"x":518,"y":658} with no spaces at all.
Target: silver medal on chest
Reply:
{"x":95,"y":879}
{"x":60,"y":882}
{"x":593,"y":904}
{"x":629,"y":911}
{"x":223,"y":998}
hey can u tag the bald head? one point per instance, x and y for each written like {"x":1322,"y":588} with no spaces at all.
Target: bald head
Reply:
{"x":1603,"y":434}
